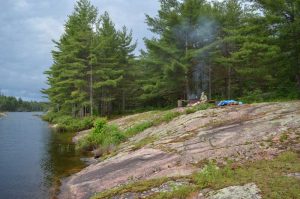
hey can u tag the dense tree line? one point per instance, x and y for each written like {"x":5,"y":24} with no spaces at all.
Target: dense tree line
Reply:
{"x":12,"y":104}
{"x":228,"y":49}
{"x":93,"y":65}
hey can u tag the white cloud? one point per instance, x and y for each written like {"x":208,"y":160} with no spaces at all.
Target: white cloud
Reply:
{"x":46,"y":28}
{"x":21,"y":5}
{"x":29,"y":25}
{"x":131,"y":14}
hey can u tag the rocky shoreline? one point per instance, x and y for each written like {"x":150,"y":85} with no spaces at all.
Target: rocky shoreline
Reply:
{"x":182,"y":146}
{"x":2,"y":115}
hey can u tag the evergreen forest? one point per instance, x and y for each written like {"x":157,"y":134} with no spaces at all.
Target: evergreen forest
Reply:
{"x":231,"y":49}
{"x":12,"y":104}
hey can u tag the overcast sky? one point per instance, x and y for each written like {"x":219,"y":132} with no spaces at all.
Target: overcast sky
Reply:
{"x":27,"y":27}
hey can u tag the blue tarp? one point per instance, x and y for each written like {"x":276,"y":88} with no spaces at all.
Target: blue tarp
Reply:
{"x":229,"y":102}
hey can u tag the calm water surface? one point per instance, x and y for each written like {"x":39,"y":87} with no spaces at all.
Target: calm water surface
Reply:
{"x":33,"y":158}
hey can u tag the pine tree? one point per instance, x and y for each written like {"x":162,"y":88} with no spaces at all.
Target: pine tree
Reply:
{"x":183,"y":28}
{"x":127,"y":89}
{"x":69,"y":76}
{"x":282,"y":16}
{"x":246,"y":50}
{"x":111,"y":58}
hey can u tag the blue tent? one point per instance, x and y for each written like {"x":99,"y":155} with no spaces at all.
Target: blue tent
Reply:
{"x":229,"y":102}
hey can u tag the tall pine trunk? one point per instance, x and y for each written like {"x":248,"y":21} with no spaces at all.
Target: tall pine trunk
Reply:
{"x":123,"y":101}
{"x":229,"y":83}
{"x":91,"y":91}
{"x":209,"y":81}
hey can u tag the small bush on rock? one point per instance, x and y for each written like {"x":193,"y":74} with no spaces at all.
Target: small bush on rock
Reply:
{"x":103,"y":136}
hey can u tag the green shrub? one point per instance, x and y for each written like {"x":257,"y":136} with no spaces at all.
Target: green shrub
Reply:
{"x":211,"y":175}
{"x":69,"y":123}
{"x":103,"y":136}
{"x":253,"y":96}
{"x":99,"y":124}
{"x":87,"y":122}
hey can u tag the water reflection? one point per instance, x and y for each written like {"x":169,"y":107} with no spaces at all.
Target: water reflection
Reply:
{"x":33,"y":158}
{"x":60,"y":160}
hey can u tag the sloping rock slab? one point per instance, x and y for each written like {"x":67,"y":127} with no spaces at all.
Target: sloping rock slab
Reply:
{"x":248,"y":191}
{"x":120,"y":170}
{"x":239,"y":133}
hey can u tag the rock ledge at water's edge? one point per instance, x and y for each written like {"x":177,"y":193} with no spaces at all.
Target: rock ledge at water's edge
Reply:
{"x":240,"y":133}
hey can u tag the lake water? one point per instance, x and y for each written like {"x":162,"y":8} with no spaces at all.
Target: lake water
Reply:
{"x":33,"y":158}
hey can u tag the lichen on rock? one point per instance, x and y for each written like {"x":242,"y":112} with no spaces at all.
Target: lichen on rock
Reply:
{"x":248,"y":191}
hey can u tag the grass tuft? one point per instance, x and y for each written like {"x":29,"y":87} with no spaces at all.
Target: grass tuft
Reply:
{"x":181,"y":192}
{"x":198,"y":108}
{"x":134,"y":130}
{"x":283,"y":137}
{"x":144,"y":142}
{"x":136,"y":187}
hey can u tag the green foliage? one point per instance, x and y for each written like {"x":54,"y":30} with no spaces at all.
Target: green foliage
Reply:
{"x":12,"y":104}
{"x":226,"y":40}
{"x":199,"y":107}
{"x":103,"y":136}
{"x":181,"y":192}
{"x":225,"y":48}
{"x":283,"y":137}
{"x":138,"y":128}
{"x":92,"y":64}
{"x":69,"y":76}
{"x":99,"y":124}
{"x":211,"y":175}
{"x":268,"y":175}
{"x":166,"y":117}
{"x":253,"y":96}
{"x":68,"y":123}
{"x":106,"y":137}
{"x":169,"y":116}
{"x":139,"y":186}
{"x":257,"y":96}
